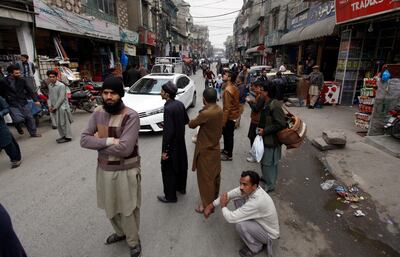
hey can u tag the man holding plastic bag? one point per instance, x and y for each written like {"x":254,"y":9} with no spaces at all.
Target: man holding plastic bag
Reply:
{"x":272,"y":120}
{"x":256,"y":105}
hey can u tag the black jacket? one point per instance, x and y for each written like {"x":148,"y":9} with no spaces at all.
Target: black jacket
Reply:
{"x":132,"y":75}
{"x":173,"y":141}
{"x":272,"y":120}
{"x":16,"y":96}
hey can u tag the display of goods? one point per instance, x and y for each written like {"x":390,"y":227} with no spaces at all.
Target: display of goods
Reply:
{"x":362,"y":124}
{"x":362,"y":116}
{"x":371,"y":92}
{"x":366,"y":100}
{"x":370,"y":83}
{"x":365,"y":108}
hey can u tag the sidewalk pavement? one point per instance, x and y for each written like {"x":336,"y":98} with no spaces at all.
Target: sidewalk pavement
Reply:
{"x":376,"y":172}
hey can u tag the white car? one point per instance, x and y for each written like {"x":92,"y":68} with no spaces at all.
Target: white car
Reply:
{"x":144,"y":97}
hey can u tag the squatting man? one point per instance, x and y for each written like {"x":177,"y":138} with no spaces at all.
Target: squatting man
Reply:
{"x":255,"y":215}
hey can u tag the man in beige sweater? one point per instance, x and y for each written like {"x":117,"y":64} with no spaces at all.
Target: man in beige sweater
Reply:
{"x":255,"y":215}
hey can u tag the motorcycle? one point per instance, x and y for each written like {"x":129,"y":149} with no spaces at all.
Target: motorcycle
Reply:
{"x":94,"y":88}
{"x":210,"y":83}
{"x":392,"y":122}
{"x":81,"y":99}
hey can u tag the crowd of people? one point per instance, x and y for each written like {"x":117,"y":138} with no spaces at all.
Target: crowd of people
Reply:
{"x":113,"y":131}
{"x":18,"y":97}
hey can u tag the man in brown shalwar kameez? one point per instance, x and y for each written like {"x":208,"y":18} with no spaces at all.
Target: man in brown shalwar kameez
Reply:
{"x":207,"y":157}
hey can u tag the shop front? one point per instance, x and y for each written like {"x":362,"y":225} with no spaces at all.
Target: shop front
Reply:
{"x":146,"y":47}
{"x":255,"y":55}
{"x":85,"y":43}
{"x":15,"y":35}
{"x":369,"y":48}
{"x":370,"y":38}
{"x":311,"y":40}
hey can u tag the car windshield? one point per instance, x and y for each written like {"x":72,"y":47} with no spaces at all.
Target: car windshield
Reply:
{"x":148,"y":86}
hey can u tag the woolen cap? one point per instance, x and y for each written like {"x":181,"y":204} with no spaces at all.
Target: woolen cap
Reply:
{"x":115,"y":84}
{"x":170,"y":88}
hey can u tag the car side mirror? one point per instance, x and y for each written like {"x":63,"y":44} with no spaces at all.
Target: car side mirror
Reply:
{"x":180,"y":91}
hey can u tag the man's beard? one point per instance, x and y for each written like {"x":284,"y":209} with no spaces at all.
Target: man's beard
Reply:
{"x":113,"y":108}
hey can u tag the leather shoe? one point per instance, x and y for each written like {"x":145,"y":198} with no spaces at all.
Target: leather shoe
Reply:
{"x":64,"y":140}
{"x":165,"y":200}
{"x":182,"y":192}
{"x":36,"y":135}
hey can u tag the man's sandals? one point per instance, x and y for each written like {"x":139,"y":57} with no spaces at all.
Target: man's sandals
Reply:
{"x":114,"y":238}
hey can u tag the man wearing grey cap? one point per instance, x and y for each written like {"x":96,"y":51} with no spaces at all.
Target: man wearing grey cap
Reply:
{"x":174,"y":163}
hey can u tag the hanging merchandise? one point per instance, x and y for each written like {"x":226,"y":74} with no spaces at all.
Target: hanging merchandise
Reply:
{"x":366,"y":103}
{"x":124,"y":59}
{"x":111,"y":58}
{"x":385,"y":75}
{"x":60,"y":49}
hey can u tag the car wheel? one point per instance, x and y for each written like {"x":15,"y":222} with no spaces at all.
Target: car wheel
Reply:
{"x":194,"y":100}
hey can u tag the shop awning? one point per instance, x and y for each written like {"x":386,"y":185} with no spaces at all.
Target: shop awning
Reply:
{"x":291,"y":37}
{"x":319,"y":29}
{"x":255,"y":49}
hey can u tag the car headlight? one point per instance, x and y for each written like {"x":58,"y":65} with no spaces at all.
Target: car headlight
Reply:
{"x":154,"y":112}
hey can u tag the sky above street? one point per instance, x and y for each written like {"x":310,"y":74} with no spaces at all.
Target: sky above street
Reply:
{"x":219,"y":27}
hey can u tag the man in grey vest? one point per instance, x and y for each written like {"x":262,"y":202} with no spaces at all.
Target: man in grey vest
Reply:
{"x":27,"y":71}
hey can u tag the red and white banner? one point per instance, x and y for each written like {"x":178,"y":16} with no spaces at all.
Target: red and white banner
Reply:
{"x":350,"y":10}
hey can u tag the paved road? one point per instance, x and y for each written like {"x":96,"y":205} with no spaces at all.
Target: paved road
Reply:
{"x":52,"y":201}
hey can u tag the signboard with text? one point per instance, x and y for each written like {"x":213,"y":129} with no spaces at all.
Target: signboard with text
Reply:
{"x":317,"y":12}
{"x":54,"y":18}
{"x":350,"y":10}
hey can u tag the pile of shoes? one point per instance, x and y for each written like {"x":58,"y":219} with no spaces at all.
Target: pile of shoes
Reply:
{"x":330,"y":140}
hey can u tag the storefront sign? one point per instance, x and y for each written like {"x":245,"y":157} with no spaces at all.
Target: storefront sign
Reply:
{"x":128,"y":36}
{"x":147,"y":37}
{"x":317,"y":12}
{"x":350,"y":10}
{"x":151,"y":38}
{"x":54,"y":18}
{"x":130,"y":49}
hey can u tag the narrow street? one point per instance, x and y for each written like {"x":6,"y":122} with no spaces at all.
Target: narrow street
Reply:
{"x":52,"y":201}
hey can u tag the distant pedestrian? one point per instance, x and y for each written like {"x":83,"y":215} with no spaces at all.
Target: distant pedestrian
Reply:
{"x":242,"y":98}
{"x":142,"y":71}
{"x":113,"y":131}
{"x":27,"y":71}
{"x":207,"y":158}
{"x":267,"y":84}
{"x":218,"y":86}
{"x":132,"y":75}
{"x":7,"y":140}
{"x":208,"y":76}
{"x":256,"y":105}
{"x":310,"y":62}
{"x":231,"y":109}
{"x":10,"y":246}
{"x":255,"y":215}
{"x":316,"y":82}
{"x":174,"y":162}
{"x":279,"y":84}
{"x":16,"y":92}
{"x":272,"y":120}
{"x":59,"y":106}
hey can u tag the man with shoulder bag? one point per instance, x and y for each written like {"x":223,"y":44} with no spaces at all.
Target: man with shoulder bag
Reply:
{"x":272,"y":120}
